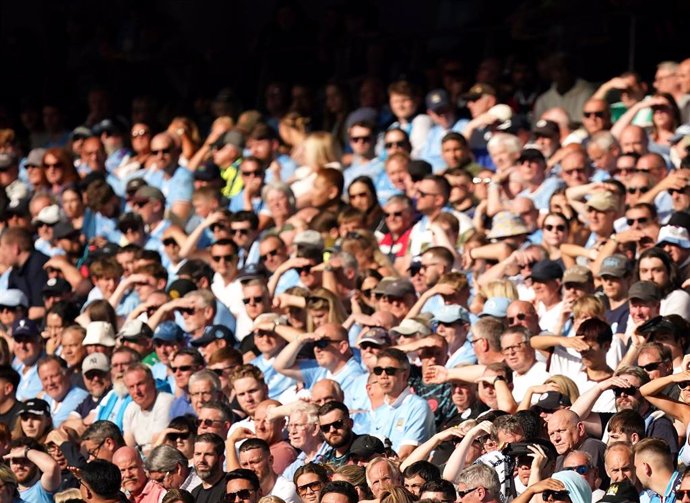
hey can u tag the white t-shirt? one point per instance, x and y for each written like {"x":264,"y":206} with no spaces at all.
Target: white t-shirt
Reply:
{"x":537,"y":374}
{"x":285,"y":490}
{"x":549,"y":318}
{"x":144,"y":424}
{"x":676,"y":302}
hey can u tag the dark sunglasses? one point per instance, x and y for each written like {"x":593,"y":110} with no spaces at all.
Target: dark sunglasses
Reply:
{"x":54,"y":165}
{"x":551,"y":228}
{"x":676,"y":191}
{"x":256,"y":173}
{"x":218,"y":226}
{"x":555,"y":495}
{"x":512,"y":320}
{"x":323,"y":343}
{"x":243,"y":494}
{"x":186,"y":310}
{"x":169,"y":242}
{"x":393,"y":214}
{"x":174,"y":437}
{"x":252,"y":300}
{"x":369,"y":345}
{"x":580,"y":469}
{"x":140,"y":203}
{"x":390,"y":371}
{"x":92,"y":374}
{"x":683,"y":385}
{"x":182,"y":368}
{"x":303,"y":270}
{"x":243,"y":232}
{"x":161,"y":151}
{"x":641,"y":221}
{"x":272,"y":253}
{"x":599,"y":115}
{"x":391,"y":144}
{"x":636,"y":190}
{"x":220,"y":372}
{"x":360,"y":139}
{"x":682,"y":493}
{"x":207,"y":422}
{"x":312,"y":486}
{"x":226,"y":258}
{"x":651,"y":367}
{"x":367,"y":293}
{"x":464,"y":493}
{"x":338,"y":425}
{"x":629,"y":391}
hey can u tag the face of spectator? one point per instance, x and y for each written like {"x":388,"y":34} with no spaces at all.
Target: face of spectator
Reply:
{"x":454,"y":332}
{"x":519,"y":356}
{"x":402,"y":106}
{"x":207,"y":462}
{"x":555,"y":230}
{"x":428,"y":197}
{"x":614,"y":288}
{"x":93,"y":155}
{"x":162,"y":150}
{"x":272,"y":254}
{"x":361,"y":140}
{"x":666,"y":80}
{"x":301,"y":432}
{"x":97,"y":382}
{"x":432,"y":269}
{"x":183,"y":367}
{"x":278,"y":203}
{"x":579,"y":460}
{"x":601,"y":159}
{"x":463,"y":395}
{"x":239,"y":488}
{"x":200,"y":393}
{"x":619,"y":466}
{"x":309,"y":487}
{"x":242,"y":234}
{"x":575,"y":170}
{"x":630,"y":398}
{"x":257,"y":461}
{"x":653,"y":269}
{"x":563,"y":435}
{"x":224,"y":260}
{"x":595,"y":116}
{"x":54,"y":380}
{"x":398,"y":306}
{"x":394,"y":384}
{"x":266,"y":429}
{"x":132,"y":471}
{"x":323,"y":192}
{"x":54,"y":169}
{"x":323,"y":392}
{"x":23,"y":469}
{"x":454,"y":153}
{"x":360,"y":197}
{"x":398,"y":217}
{"x":478,"y":106}
{"x":633,"y":139}
{"x":33,"y":425}
{"x":141,"y":138}
{"x":380,"y":478}
{"x":639,"y":218}
{"x":268,"y":343}
{"x":641,"y":311}
{"x":531,"y":171}
{"x":396,"y":141}
{"x":336,"y":428}
{"x":250,"y":393}
{"x":255,"y":300}
{"x":141,"y":388}
{"x":211,"y":421}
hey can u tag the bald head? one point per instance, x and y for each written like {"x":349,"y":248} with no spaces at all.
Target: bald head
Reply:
{"x":633,"y":139}
{"x":384,"y":319}
{"x":131,"y":469}
{"x":326,"y":390}
{"x":333,"y":332}
{"x":522,"y":313}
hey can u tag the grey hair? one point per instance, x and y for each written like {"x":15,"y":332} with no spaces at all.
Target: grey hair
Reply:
{"x":206,"y":296}
{"x":349,"y":262}
{"x":206,"y":375}
{"x":484,"y":476}
{"x":505,"y":140}
{"x":667,"y":65}
{"x":396,"y":476}
{"x":164,"y":459}
{"x":604,"y":140}
{"x":308,"y":409}
{"x":280,"y":187}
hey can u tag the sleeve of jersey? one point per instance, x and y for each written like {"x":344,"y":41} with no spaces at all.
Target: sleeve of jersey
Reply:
{"x":419,"y":425}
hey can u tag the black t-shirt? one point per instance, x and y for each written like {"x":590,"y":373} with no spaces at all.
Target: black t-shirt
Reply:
{"x":215,"y":494}
{"x":31,"y":278}
{"x":9,"y":417}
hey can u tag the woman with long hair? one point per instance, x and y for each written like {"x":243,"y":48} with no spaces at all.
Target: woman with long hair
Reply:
{"x":59,"y":169}
{"x":323,"y":306}
{"x":320,"y":150}
{"x":361,"y":194}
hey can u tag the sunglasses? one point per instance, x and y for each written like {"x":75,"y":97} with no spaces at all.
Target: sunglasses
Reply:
{"x":580,"y":469}
{"x":140,"y":204}
{"x":512,"y":320}
{"x":651,"y":367}
{"x":676,"y":191}
{"x":391,"y":144}
{"x":243,"y":494}
{"x":252,"y":300}
{"x":629,"y":391}
{"x":272,"y":253}
{"x":390,"y":371}
{"x":337,"y":425}
{"x":220,"y":372}
{"x":312,"y":486}
{"x":256,"y":173}
{"x":682,"y":493}
{"x":218,"y":226}
{"x":303,"y":270}
{"x":169,"y":242}
{"x":323,"y":343}
{"x":226,"y":258}
{"x":367,"y":293}
{"x":243,"y":232}
{"x":186,"y":310}
{"x":641,"y":221}
{"x":360,"y":139}
{"x":393,"y":214}
{"x":92,"y":374}
{"x":207,"y":422}
{"x":599,"y":114}
{"x":684,"y":385}
{"x":182,"y":368}
{"x":366,"y":346}
{"x":555,"y":495}
{"x":174,"y":437}
{"x":164,"y":151}
{"x":637,"y":190}
{"x":54,"y":165}
{"x":581,"y":170}
{"x":464,"y":493}
{"x":552,"y":228}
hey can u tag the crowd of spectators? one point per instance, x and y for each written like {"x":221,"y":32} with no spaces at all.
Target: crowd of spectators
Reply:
{"x":472,"y":294}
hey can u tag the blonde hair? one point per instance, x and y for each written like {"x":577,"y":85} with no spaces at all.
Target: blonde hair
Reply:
{"x":396,"y":495}
{"x":67,"y":494}
{"x":323,"y":298}
{"x":271,"y":499}
{"x":588,"y":306}
{"x":500,"y":288}
{"x":320,"y":149}
{"x":566,"y":386}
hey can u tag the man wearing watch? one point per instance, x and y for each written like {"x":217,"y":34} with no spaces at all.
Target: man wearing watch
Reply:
{"x":38,"y":475}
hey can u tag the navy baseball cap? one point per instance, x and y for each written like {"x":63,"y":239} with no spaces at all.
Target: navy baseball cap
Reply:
{"x":168,"y":331}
